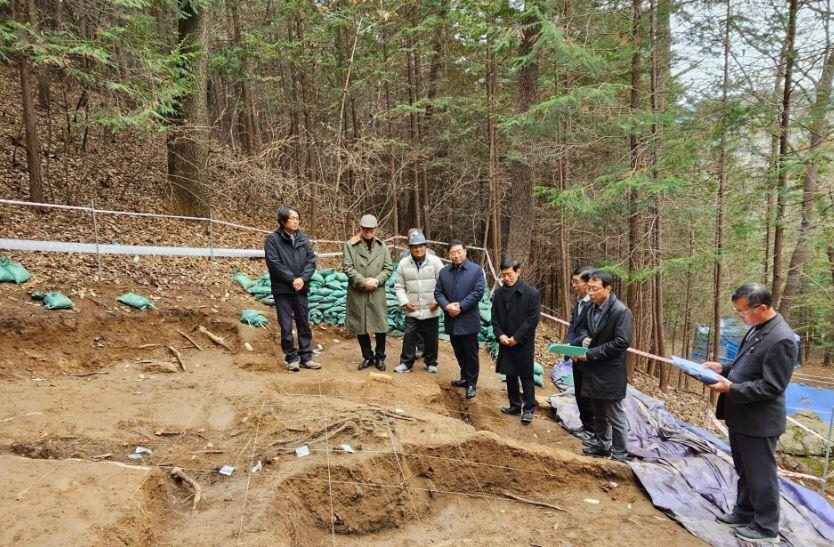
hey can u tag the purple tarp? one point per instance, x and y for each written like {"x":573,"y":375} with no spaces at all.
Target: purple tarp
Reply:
{"x":689,"y":474}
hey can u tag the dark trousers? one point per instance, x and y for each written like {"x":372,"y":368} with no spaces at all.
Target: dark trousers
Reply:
{"x":466,"y":352}
{"x":586,"y":410}
{"x":611,"y":424}
{"x":415,"y":329}
{"x":367,"y":352}
{"x":758,"y":487}
{"x":528,"y":386}
{"x":294,"y":307}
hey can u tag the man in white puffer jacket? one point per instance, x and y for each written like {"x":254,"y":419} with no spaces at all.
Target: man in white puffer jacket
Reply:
{"x":414,"y":286}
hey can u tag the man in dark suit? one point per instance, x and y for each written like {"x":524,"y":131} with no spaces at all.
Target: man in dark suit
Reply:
{"x":579,"y":283}
{"x":460,"y":286}
{"x":607,"y":334}
{"x":516,"y":307}
{"x":752,"y":404}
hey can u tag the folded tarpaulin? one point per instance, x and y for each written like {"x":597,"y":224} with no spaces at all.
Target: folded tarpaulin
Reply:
{"x":689,"y":474}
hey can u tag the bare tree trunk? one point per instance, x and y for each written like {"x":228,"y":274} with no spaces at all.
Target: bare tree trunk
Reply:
{"x":635,"y":296}
{"x":784,"y":154}
{"x":658,"y":47}
{"x":33,"y":157}
{"x":717,"y":274}
{"x":522,"y":205}
{"x":188,"y":143}
{"x":245,"y":129}
{"x":818,"y":129}
{"x":494,"y":201}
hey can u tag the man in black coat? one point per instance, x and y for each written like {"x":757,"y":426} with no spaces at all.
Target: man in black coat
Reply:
{"x":607,"y":334}
{"x":291,"y":263}
{"x":579,"y":283}
{"x":752,"y":403}
{"x":516,"y":307}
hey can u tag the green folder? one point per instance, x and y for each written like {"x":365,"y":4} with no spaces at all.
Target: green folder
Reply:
{"x":565,"y":349}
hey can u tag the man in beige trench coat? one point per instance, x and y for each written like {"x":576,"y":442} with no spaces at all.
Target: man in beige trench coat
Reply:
{"x":367,"y":263}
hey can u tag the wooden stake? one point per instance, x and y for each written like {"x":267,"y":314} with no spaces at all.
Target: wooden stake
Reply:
{"x":214,"y":338}
{"x":178,"y":355}
{"x":531,"y":502}
{"x":196,"y":345}
{"x":198,"y":491}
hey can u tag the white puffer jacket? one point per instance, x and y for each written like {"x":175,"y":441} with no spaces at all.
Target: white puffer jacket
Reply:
{"x":417,"y":286}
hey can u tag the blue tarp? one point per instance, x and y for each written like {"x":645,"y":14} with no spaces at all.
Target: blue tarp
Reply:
{"x":689,"y":474}
{"x":801,"y":397}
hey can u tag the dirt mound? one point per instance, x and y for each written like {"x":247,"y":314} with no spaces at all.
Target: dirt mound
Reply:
{"x":393,"y":458}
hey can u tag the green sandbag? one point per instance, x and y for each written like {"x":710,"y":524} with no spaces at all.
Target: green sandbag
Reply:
{"x":538,"y":380}
{"x":254,"y":318}
{"x":135,"y":301}
{"x":57,"y":300}
{"x":14,"y":271}
{"x":342,"y":277}
{"x":243,"y":280}
{"x":538,"y":370}
{"x":38,"y":295}
{"x":317,"y":278}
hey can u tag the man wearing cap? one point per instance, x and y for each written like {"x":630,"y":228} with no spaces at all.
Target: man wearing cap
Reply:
{"x":367,"y":263}
{"x":416,"y":277}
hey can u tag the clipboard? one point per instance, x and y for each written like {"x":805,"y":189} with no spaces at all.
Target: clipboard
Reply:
{"x":696,"y":370}
{"x":566,"y":349}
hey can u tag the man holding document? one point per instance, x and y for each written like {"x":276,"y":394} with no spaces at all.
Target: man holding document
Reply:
{"x":752,"y":403}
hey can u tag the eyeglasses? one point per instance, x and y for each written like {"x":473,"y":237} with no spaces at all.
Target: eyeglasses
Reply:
{"x":743,"y":312}
{"x":594,"y":289}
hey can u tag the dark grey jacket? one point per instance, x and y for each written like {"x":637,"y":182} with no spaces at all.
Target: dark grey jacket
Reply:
{"x":760,"y":373}
{"x":515,"y":312}
{"x":604,"y":375}
{"x":287,"y":259}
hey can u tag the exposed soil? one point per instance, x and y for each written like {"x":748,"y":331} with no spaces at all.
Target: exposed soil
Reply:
{"x":83,"y":388}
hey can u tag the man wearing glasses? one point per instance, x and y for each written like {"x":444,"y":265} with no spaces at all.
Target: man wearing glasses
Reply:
{"x":291,"y":263}
{"x":606,"y":332}
{"x":752,"y":404}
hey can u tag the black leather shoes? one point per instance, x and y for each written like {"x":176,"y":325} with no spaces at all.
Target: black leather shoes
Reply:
{"x":470,"y":392}
{"x":620,"y":457}
{"x":365,"y":364}
{"x":753,"y":535}
{"x":592,"y":441}
{"x":527,"y":417}
{"x":597,"y":451}
{"x":459,"y":383}
{"x":380,"y":365}
{"x":734,"y":520}
{"x":512,"y":411}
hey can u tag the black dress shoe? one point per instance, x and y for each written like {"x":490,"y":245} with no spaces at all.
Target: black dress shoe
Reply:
{"x":527,"y":417}
{"x":511,"y":410}
{"x":598,"y":451}
{"x":621,"y":457}
{"x":459,"y":383}
{"x":470,"y":392}
{"x":592,"y":441}
{"x":365,"y":364}
{"x":380,"y":365}
{"x":734,"y":520}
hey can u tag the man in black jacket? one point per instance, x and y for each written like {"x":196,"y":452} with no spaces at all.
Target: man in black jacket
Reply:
{"x":516,"y":307}
{"x":291,"y":263}
{"x":752,"y":404}
{"x":579,"y":283}
{"x":607,"y":334}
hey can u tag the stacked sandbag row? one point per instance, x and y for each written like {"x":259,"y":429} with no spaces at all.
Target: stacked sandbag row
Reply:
{"x":328,"y":295}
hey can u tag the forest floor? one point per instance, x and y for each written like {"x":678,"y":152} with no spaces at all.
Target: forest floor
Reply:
{"x":85,"y":387}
